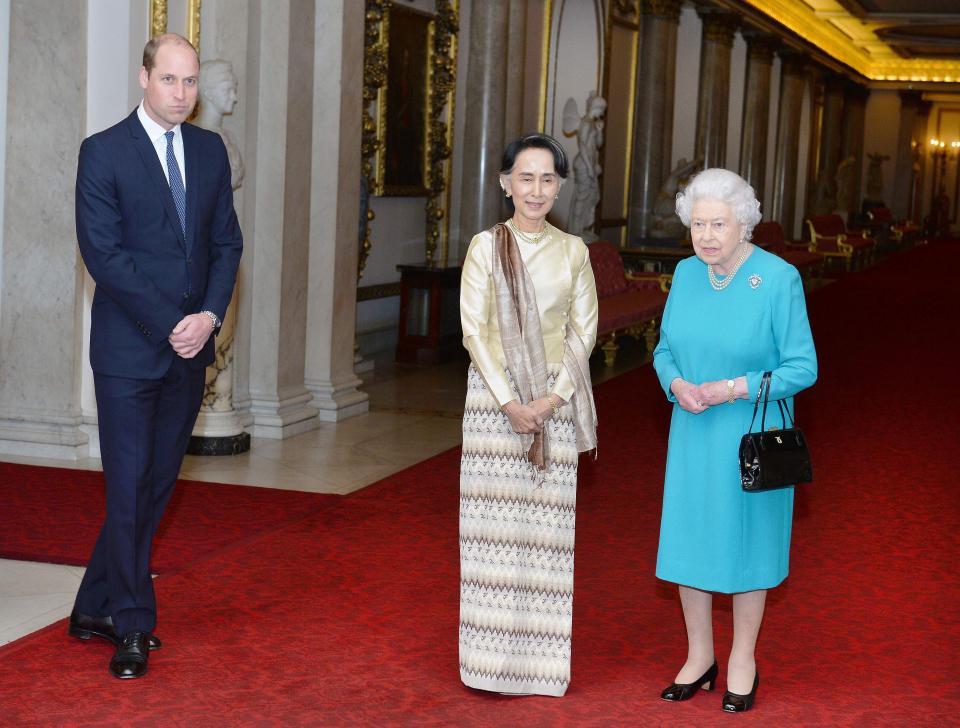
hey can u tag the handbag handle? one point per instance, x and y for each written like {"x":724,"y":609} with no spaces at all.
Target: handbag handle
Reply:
{"x":765,"y":393}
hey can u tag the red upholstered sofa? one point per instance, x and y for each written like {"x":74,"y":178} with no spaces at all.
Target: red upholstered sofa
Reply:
{"x":769,"y":236}
{"x":829,"y":236}
{"x":902,"y":231}
{"x":630,"y":304}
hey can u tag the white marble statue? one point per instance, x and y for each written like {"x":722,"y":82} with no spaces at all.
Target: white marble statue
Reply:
{"x":586,"y":165}
{"x":218,"y":96}
{"x":664,"y":222}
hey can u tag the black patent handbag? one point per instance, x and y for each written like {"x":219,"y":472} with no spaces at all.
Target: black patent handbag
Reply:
{"x":775,"y":458}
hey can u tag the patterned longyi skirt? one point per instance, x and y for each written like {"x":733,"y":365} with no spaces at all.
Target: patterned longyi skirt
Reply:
{"x":516,"y":551}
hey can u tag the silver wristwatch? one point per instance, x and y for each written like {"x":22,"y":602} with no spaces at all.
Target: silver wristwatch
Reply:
{"x":213,"y":317}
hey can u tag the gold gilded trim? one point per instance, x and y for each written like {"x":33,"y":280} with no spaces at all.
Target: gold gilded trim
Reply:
{"x":545,"y":63}
{"x":825,"y":35}
{"x":193,"y":23}
{"x":158,"y":17}
{"x":441,"y":90}
{"x":374,"y":86}
{"x":626,"y":10}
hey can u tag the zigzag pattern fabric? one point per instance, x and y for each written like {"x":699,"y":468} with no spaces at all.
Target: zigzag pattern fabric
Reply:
{"x":516,"y":551}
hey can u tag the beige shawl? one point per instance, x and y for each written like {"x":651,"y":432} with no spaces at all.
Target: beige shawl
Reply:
{"x":522,"y":341}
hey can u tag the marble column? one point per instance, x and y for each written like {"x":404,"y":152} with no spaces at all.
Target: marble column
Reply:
{"x":653,"y":111}
{"x":828,"y":152}
{"x":785,"y":163}
{"x":334,"y":208}
{"x":851,"y":142}
{"x":918,"y":169}
{"x":713,"y":96}
{"x":276,"y":219}
{"x":41,"y":274}
{"x":910,"y":102}
{"x":517,"y":49}
{"x":756,"y":109}
{"x":480,"y":195}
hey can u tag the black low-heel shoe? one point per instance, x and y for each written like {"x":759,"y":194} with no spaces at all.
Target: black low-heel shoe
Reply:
{"x":733,"y":703}
{"x":684,"y":691}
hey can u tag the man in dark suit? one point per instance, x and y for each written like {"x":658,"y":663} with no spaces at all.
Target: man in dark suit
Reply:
{"x":159,"y":235}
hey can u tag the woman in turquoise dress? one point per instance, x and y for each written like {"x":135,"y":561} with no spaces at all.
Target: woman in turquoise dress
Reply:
{"x":734,"y":311}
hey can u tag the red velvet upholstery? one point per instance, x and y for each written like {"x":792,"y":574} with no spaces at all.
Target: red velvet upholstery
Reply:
{"x":898,"y":227}
{"x":607,"y":269}
{"x":627,"y":304}
{"x":769,"y":236}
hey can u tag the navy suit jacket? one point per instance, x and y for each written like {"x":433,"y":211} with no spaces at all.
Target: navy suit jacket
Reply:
{"x":149,"y":275}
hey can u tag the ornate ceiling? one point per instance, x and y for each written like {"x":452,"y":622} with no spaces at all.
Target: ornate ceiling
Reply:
{"x":883,"y":40}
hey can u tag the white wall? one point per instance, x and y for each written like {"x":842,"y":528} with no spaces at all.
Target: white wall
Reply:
{"x":687,"y":87}
{"x":738,"y":72}
{"x":116,"y":31}
{"x":803,"y":169}
{"x":881,"y":128}
{"x":766,"y":202}
{"x":575,"y":69}
{"x":4,"y":61}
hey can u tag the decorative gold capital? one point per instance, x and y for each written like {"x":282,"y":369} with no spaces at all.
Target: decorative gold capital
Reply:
{"x":158,"y":17}
{"x":666,"y":9}
{"x":719,"y":26}
{"x":628,"y":10}
{"x":793,"y":63}
{"x":760,"y":46}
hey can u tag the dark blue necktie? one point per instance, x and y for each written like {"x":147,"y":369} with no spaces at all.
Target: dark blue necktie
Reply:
{"x":176,"y":184}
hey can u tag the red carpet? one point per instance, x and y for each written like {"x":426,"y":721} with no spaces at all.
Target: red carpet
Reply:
{"x":348,"y":615}
{"x":55,"y":515}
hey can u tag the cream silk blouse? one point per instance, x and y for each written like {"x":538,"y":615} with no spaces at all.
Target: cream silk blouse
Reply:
{"x":559,"y":266}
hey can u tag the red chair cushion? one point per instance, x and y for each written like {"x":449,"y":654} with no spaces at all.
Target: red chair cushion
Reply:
{"x":768,"y":235}
{"x":629,"y":308}
{"x":607,"y":269}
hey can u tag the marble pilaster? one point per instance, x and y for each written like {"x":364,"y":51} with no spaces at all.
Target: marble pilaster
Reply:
{"x":714,"y":91}
{"x":783,"y":209}
{"x":910,"y":103}
{"x":41,"y":274}
{"x":756,"y":109}
{"x":852,"y":135}
{"x":334,"y":207}
{"x":486,"y":87}
{"x":653,"y":126}
{"x":828,"y":151}
{"x":517,"y":48}
{"x":276,"y":219}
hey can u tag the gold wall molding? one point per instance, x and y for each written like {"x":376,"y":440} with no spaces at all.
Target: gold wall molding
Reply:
{"x":441,"y":88}
{"x":193,"y":23}
{"x":159,"y":20}
{"x":158,"y":17}
{"x":374,"y":83}
{"x":438,"y":119}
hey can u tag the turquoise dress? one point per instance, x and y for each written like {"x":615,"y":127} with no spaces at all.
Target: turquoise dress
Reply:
{"x":713,"y":535}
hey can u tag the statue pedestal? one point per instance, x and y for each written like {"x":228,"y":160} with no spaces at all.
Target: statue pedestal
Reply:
{"x":222,"y":434}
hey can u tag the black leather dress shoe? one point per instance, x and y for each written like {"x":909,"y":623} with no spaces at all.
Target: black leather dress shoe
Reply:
{"x":735,"y":703}
{"x":684,"y":691}
{"x":130,"y":659}
{"x":83,"y":627}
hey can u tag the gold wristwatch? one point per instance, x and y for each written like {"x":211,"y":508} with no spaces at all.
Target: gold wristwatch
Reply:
{"x":730,"y":394}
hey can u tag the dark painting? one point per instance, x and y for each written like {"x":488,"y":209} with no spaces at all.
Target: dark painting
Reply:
{"x":403,"y":172}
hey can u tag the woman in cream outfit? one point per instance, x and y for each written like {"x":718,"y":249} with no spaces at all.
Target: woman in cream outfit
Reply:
{"x":528,"y":309}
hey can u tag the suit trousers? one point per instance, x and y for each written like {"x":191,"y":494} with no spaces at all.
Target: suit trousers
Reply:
{"x":145,"y":427}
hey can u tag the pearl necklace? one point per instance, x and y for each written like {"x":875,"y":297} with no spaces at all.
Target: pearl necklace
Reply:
{"x":719,"y":285}
{"x":533,"y":238}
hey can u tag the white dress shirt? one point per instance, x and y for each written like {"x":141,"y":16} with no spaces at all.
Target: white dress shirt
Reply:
{"x":155,"y":133}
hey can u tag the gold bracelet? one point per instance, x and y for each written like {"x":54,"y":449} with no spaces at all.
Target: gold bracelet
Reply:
{"x":553,"y":405}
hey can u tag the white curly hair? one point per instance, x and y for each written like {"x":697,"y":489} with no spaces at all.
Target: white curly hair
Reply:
{"x":726,"y":186}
